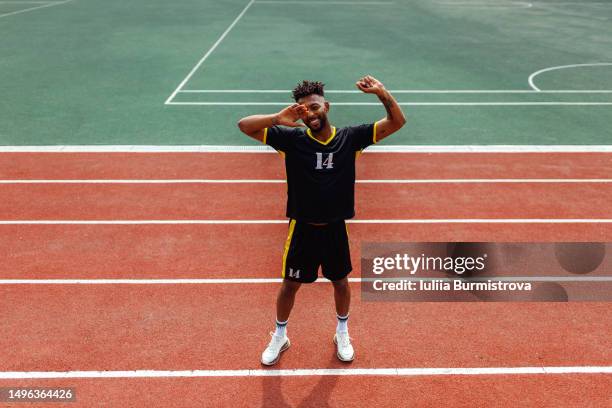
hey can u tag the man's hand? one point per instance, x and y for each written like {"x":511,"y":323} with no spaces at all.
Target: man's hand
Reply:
{"x":369,"y":84}
{"x":254,"y":125}
{"x":290,"y":116}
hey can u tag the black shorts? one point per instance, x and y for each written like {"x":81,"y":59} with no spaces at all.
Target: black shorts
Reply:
{"x":310,"y":246}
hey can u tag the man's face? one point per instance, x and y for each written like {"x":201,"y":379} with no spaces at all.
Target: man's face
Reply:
{"x":316,"y":115}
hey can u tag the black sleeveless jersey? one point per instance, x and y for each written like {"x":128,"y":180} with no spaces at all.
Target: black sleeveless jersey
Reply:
{"x":320,"y":175}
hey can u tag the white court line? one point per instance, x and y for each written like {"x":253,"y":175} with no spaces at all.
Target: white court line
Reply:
{"x":550,"y":103}
{"x":28,"y":2}
{"x":572,"y":3}
{"x":424,"y":149}
{"x":240,"y":281}
{"x":147,"y":281}
{"x":403,"y":372}
{"x":331,"y":2}
{"x":364,"y":221}
{"x":282,"y":181}
{"x":512,"y":4}
{"x":406,"y":91}
{"x":47,"y":4}
{"x":532,"y":76}
{"x":210,"y":51}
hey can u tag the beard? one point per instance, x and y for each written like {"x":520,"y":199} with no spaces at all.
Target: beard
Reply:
{"x":321,"y":124}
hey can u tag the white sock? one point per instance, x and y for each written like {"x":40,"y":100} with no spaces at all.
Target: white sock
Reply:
{"x":281,"y":328}
{"x":342,"y":324}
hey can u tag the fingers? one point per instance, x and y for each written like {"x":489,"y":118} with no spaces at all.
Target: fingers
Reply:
{"x":369,"y":84}
{"x":363,"y":85}
{"x":297,"y":110}
{"x":373,"y":80}
{"x":301,"y":110}
{"x":293,"y":108}
{"x":369,"y":80}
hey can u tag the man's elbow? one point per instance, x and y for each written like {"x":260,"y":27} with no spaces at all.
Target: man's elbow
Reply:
{"x":401,"y":121}
{"x":242,"y":126}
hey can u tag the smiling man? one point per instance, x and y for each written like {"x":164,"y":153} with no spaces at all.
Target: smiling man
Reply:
{"x":320,"y":165}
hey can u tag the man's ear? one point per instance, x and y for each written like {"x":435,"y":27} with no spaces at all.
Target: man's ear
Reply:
{"x":326,"y":106}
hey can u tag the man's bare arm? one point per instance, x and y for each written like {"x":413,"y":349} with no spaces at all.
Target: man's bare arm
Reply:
{"x":395,"y":118}
{"x":254,"y":125}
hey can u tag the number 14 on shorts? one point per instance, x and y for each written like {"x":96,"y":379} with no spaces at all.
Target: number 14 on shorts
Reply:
{"x":294,"y":274}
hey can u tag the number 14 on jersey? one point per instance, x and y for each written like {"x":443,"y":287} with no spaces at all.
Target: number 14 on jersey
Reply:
{"x":328,"y":163}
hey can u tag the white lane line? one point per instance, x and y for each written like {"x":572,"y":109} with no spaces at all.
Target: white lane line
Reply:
{"x":573,"y":3}
{"x":403,"y":91}
{"x":279,"y":181}
{"x":372,"y":221}
{"x":400,"y":103}
{"x":513,"y":4}
{"x":150,"y":281}
{"x":331,"y":2}
{"x":535,"y":74}
{"x":46,"y":4}
{"x":210,"y":51}
{"x":147,"y":281}
{"x":165,"y":181}
{"x":490,"y":221}
{"x":29,"y":2}
{"x":225,"y":281}
{"x":266,"y":149}
{"x":411,"y":372}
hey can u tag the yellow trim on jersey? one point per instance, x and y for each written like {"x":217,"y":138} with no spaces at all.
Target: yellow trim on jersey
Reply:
{"x":374,"y":133}
{"x":287,"y":245}
{"x":317,"y":140}
{"x":265,"y":136}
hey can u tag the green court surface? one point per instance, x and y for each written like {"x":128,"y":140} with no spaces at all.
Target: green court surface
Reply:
{"x":85,"y":72}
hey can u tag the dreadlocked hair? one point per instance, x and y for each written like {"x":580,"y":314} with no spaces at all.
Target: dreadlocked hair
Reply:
{"x":308,"y":88}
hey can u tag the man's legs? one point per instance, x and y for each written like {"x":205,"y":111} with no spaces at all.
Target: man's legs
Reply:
{"x":285,"y":299}
{"x":284,"y":303}
{"x":342,"y":296}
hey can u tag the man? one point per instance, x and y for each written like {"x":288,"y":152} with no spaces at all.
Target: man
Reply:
{"x":320,"y":165}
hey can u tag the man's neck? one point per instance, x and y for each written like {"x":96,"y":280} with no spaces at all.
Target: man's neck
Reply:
{"x":323,"y":134}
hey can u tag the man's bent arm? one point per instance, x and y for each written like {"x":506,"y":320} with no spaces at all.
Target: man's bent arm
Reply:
{"x":395,"y":117}
{"x":254,"y":125}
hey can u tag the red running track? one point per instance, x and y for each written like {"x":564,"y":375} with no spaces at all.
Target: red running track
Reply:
{"x":267,"y":201}
{"x":222,"y":251}
{"x":270,"y":166}
{"x":225,"y":327}
{"x":208,"y":327}
{"x":324,"y":391}
{"x":72,"y":327}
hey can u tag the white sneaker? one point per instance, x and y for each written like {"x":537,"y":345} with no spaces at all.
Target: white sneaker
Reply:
{"x":344,"y":348}
{"x":277,"y":345}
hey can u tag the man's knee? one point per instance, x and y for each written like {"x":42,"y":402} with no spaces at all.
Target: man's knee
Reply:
{"x":341,"y":284}
{"x":290,"y":287}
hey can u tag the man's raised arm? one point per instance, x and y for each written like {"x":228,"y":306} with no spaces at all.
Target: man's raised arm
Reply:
{"x":395,"y":118}
{"x":254,"y":125}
